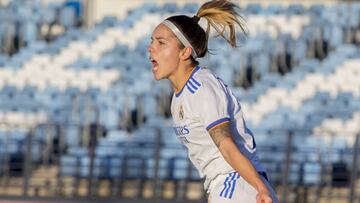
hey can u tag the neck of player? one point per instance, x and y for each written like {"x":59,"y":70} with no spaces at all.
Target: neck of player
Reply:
{"x":179,"y":78}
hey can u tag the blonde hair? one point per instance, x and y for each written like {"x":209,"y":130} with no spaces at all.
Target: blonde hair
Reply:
{"x":222,"y":15}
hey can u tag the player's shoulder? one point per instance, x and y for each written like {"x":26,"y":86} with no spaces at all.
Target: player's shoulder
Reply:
{"x":204,"y":76}
{"x":198,"y":82}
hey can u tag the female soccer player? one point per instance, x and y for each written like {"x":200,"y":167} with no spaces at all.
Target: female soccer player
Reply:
{"x":207,"y":116}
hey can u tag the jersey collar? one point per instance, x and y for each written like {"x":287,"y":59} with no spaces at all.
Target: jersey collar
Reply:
{"x":193,"y":72}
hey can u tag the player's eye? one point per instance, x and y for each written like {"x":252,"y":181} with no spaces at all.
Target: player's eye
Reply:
{"x":151,"y":40}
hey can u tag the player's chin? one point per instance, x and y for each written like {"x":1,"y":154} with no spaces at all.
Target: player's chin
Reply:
{"x":157,"y":76}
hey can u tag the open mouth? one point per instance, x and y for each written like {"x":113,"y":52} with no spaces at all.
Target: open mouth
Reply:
{"x":154,"y":64}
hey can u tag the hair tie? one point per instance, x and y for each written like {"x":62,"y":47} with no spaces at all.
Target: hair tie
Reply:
{"x":196,"y":18}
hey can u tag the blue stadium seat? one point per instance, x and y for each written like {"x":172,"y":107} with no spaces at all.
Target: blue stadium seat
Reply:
{"x":253,"y":9}
{"x":68,"y":17}
{"x":312,"y":173}
{"x":149,"y":7}
{"x":115,"y":166}
{"x":316,"y":9}
{"x":190,"y":8}
{"x":48,"y":15}
{"x":69,"y":165}
{"x":170,"y":7}
{"x":76,"y":5}
{"x":99,"y":169}
{"x":3,"y":58}
{"x":272,"y":9}
{"x":135,"y":167}
{"x":78,"y":151}
{"x":163,"y":171}
{"x":295,"y":9}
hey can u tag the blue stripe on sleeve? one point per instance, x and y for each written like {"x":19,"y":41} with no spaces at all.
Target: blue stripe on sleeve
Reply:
{"x":217,"y":122}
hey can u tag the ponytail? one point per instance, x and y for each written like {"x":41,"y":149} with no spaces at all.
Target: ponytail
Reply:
{"x":222,"y":15}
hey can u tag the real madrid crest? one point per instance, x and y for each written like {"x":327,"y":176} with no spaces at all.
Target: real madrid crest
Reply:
{"x":181,"y":112}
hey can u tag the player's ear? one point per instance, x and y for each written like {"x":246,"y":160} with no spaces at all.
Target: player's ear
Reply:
{"x":185,"y":53}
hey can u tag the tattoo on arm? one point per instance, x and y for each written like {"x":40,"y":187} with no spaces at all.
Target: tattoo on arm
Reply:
{"x":219,"y":133}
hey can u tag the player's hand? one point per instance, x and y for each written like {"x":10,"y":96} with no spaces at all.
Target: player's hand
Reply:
{"x":263,"y":197}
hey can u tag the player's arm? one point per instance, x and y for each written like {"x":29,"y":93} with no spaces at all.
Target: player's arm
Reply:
{"x":221,"y":136}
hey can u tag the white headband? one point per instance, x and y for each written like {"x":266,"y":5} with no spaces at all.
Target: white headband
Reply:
{"x":180,"y":36}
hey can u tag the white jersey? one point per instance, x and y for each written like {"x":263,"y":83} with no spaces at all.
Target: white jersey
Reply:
{"x":203,"y":103}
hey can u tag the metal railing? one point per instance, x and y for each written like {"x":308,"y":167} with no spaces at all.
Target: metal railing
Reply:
{"x":292,"y":177}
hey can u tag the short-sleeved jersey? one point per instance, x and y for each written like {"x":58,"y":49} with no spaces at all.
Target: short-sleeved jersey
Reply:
{"x":203,"y":103}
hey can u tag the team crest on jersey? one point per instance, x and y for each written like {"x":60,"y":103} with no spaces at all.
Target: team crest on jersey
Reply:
{"x":181,"y":112}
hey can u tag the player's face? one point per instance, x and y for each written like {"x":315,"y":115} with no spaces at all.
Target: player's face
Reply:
{"x":164,"y":52}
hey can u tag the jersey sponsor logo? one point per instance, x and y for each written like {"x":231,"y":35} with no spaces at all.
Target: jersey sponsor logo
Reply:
{"x":183,"y":139}
{"x":181,"y":130}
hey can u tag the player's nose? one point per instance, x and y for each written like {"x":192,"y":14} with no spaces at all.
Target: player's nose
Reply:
{"x":150,"y":48}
